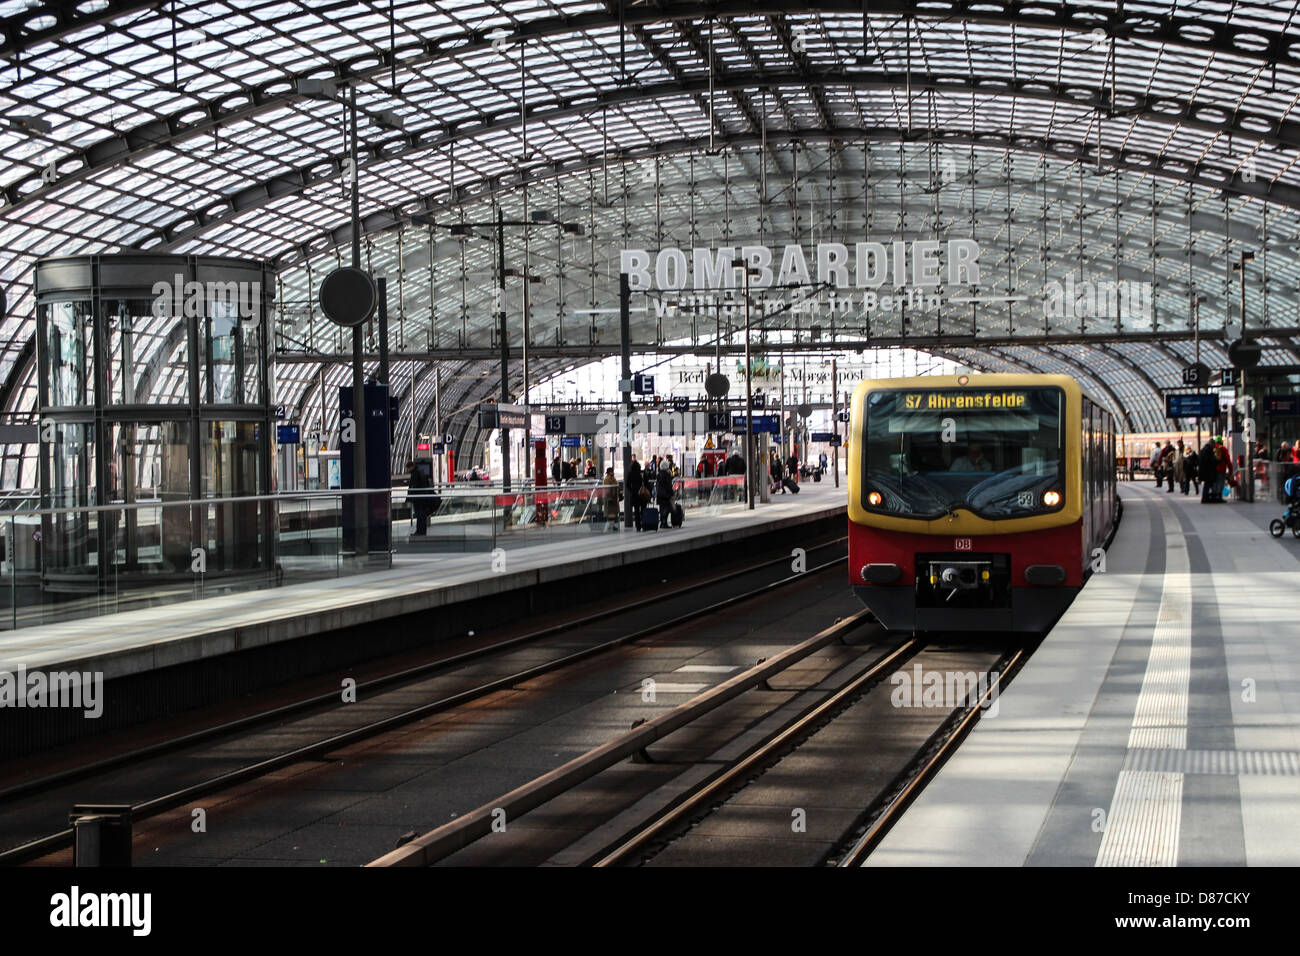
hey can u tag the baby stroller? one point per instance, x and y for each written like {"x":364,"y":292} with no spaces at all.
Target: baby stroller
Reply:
{"x":1291,"y":517}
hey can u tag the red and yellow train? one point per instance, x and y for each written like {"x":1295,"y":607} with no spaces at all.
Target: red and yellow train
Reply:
{"x":977,"y":502}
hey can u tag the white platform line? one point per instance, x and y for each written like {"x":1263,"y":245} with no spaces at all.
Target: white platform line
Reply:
{"x":1160,"y":720}
{"x":1236,"y":763}
{"x":1142,"y":824}
{"x":1145,"y":813}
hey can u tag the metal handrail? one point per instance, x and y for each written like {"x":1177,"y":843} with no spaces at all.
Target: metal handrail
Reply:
{"x":324,"y":494}
{"x":203,"y":502}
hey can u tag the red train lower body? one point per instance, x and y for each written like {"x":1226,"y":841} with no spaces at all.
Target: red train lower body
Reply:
{"x":996,"y":582}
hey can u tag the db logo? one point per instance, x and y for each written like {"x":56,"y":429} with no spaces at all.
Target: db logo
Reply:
{"x":962,"y":544}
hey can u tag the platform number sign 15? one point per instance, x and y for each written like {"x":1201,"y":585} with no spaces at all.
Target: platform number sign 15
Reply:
{"x":962,"y":544}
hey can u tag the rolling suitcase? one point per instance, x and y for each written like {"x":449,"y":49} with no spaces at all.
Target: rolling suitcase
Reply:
{"x":678,"y":516}
{"x":790,"y":486}
{"x":650,"y":518}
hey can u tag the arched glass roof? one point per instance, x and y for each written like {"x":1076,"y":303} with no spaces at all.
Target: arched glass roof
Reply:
{"x":1144,"y":143}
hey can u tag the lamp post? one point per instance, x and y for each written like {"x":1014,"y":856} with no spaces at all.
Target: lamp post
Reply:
{"x":499,"y":225}
{"x":1248,"y":425}
{"x":348,"y":296}
{"x":1196,"y":354}
{"x":750,"y":467}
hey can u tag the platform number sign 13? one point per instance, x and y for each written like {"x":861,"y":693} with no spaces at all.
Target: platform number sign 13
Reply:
{"x":962,"y":544}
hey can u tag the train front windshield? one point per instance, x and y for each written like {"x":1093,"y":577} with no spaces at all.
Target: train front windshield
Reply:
{"x":999,"y":452}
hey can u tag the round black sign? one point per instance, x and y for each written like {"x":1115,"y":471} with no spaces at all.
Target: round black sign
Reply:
{"x":1197,"y":375}
{"x":1244,"y":354}
{"x":348,"y":296}
{"x":805,"y":410}
{"x":717,"y":385}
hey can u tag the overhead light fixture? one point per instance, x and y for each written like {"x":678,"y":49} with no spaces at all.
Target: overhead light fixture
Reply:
{"x":392,"y":119}
{"x":35,"y":124}
{"x":542,"y":215}
{"x":459,"y":229}
{"x":574,"y":229}
{"x":308,"y":87}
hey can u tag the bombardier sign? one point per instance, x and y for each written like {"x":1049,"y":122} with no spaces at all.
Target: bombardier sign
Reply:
{"x":922,"y":263}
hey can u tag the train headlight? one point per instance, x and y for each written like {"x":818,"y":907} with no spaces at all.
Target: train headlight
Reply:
{"x":1051,"y":498}
{"x":874,"y":499}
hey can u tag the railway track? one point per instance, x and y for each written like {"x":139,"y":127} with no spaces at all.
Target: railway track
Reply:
{"x":656,"y":827}
{"x":585,"y":629}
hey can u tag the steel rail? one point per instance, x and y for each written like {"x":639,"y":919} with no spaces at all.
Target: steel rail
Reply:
{"x":753,"y":761}
{"x":58,"y":840}
{"x":947,"y":737}
{"x":447,"y":839}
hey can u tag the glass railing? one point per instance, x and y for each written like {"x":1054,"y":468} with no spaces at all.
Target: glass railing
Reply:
{"x":463,"y":520}
{"x":59,"y":564}
{"x":66,"y":563}
{"x":1270,"y":477}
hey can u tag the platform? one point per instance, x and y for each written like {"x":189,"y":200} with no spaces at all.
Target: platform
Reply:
{"x":1157,"y":725}
{"x":138,"y":641}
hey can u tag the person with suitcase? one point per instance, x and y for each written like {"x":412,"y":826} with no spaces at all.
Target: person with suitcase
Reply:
{"x":777,"y":473}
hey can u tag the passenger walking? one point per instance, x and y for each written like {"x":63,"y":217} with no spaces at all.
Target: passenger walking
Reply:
{"x":1206,"y":468}
{"x":777,"y":473}
{"x":591,"y":469}
{"x":417,"y":497}
{"x":1191,"y":470}
{"x":1166,"y":466}
{"x":664,"y":493}
{"x":557,"y":469}
{"x":736,"y":464}
{"x":1222,"y":470}
{"x":634,"y":485}
{"x":612,"y":496}
{"x":1174,"y":463}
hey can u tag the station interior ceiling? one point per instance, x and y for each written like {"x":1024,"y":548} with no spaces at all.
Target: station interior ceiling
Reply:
{"x":1153,"y":145}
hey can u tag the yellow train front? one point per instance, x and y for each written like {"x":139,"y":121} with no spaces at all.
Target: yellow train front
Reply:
{"x":976,"y":502}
